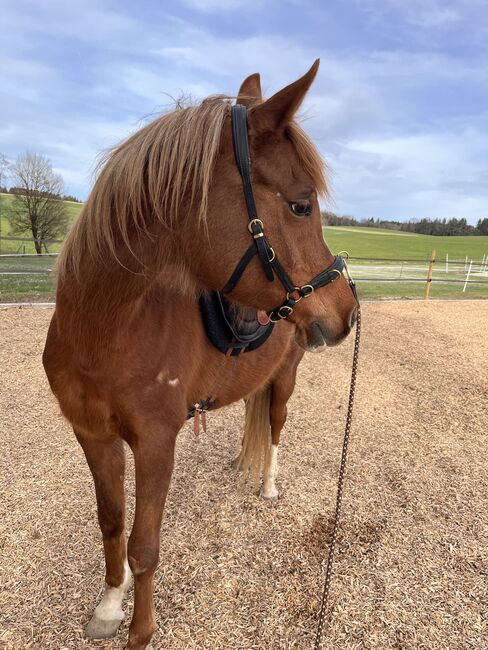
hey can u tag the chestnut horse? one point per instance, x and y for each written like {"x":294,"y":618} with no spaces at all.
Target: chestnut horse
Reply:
{"x":127,"y":355}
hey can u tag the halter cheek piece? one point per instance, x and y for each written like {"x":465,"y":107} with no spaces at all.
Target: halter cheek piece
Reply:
{"x":260,"y":245}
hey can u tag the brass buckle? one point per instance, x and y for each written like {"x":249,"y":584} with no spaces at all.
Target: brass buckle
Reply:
{"x":290,"y":310}
{"x":307,"y":286}
{"x":259,"y":223}
{"x":280,"y":315}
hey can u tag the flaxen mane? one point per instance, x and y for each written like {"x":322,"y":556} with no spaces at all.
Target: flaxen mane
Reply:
{"x":150,"y":173}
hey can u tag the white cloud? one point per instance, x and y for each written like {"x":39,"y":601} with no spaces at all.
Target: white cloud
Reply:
{"x":396,"y":149}
{"x":428,"y":175}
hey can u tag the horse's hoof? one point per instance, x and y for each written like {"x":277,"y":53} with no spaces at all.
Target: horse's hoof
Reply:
{"x":269,"y":495}
{"x":97,"y":628}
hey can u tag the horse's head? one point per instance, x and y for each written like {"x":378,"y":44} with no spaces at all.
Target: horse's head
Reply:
{"x":287,"y":178}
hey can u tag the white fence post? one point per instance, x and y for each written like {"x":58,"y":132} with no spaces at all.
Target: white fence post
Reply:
{"x":467,"y":277}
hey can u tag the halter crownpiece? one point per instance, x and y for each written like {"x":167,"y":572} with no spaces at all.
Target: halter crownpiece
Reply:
{"x":260,"y":245}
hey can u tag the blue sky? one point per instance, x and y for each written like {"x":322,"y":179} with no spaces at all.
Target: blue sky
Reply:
{"x":399,"y":109}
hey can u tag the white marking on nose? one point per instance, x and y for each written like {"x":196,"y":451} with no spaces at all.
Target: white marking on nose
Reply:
{"x":173,"y":382}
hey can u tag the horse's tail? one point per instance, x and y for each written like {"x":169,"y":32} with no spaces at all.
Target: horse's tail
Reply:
{"x":256,"y":441}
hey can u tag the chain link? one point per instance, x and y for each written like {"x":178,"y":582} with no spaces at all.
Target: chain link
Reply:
{"x":323,"y":615}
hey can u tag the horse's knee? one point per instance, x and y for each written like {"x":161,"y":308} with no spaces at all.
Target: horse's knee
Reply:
{"x":112,"y":525}
{"x":143,"y":557}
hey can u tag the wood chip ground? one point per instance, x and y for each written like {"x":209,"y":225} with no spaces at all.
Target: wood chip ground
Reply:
{"x":240,"y":573}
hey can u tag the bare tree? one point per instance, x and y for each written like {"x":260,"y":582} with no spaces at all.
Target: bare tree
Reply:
{"x":37,"y":206}
{"x":4,"y":169}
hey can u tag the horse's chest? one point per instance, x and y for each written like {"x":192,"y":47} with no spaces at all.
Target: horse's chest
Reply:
{"x":225,"y":379}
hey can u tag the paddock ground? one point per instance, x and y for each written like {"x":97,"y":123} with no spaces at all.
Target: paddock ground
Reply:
{"x":239,"y":573}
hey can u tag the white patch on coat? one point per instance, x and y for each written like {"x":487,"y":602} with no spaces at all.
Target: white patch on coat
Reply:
{"x":173,"y":382}
{"x":110,"y":607}
{"x":269,"y":490}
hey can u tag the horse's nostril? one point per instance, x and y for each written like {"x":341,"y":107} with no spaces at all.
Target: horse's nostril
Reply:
{"x":317,"y":335}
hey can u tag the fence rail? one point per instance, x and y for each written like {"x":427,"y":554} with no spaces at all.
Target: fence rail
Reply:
{"x":32,"y":275}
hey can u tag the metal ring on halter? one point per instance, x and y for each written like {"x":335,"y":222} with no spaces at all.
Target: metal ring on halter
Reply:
{"x":339,"y":273}
{"x":258,"y":222}
{"x":348,"y":274}
{"x":307,"y":286}
{"x":272,"y":250}
{"x":343,"y":254}
{"x":297,"y":289}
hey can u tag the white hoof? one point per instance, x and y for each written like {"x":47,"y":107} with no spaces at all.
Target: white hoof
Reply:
{"x":97,"y":628}
{"x":269,"y":492}
{"x":108,"y":614}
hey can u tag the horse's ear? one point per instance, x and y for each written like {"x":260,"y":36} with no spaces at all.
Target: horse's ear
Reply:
{"x":278,"y":110}
{"x":250,"y":91}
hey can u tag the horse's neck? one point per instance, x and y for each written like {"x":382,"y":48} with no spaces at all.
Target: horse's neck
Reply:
{"x":108,"y":296}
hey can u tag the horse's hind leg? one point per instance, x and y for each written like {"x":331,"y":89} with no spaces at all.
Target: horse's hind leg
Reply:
{"x":277,"y":418}
{"x":282,"y":388}
{"x":107,"y":464}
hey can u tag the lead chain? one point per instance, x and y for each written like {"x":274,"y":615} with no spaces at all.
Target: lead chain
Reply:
{"x":323,"y":618}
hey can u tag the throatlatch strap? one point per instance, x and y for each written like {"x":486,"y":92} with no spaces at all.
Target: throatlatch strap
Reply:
{"x":240,"y":268}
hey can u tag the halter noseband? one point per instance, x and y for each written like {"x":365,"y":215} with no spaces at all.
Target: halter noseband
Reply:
{"x":260,"y":245}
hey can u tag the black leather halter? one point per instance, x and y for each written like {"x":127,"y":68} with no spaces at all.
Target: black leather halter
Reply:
{"x":260,"y":245}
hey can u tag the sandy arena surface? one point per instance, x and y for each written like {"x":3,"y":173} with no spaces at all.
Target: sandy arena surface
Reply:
{"x":239,"y":573}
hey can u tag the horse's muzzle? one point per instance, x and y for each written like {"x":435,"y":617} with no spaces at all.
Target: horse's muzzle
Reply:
{"x":317,"y":335}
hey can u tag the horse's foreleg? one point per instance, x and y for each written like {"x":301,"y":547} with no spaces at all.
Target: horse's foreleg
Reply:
{"x":107,"y":464}
{"x":154,"y":457}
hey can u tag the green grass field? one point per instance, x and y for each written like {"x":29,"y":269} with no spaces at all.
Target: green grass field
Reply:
{"x":31,"y":279}
{"x":389,"y":244}
{"x":381,"y":243}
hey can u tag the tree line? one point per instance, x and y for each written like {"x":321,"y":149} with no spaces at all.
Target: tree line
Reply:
{"x":422,"y":226}
{"x":20,"y":190}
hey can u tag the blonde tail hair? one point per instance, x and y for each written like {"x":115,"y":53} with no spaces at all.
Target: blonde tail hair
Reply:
{"x":256,"y":441}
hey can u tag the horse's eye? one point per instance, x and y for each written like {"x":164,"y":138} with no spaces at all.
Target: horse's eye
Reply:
{"x":301,"y":208}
